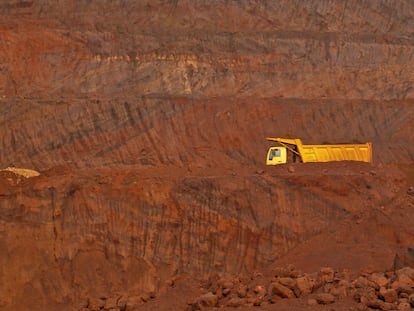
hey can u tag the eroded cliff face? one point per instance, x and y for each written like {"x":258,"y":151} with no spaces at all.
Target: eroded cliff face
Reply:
{"x":147,"y":122}
{"x":69,"y":236}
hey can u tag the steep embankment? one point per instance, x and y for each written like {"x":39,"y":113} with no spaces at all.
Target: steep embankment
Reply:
{"x":147,"y":122}
{"x":73,"y":236}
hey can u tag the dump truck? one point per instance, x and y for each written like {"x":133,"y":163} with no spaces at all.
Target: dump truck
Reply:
{"x":292,"y":150}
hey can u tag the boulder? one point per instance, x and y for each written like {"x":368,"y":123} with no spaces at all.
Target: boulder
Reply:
{"x":324,"y":298}
{"x":96,"y":304}
{"x":304,"y":285}
{"x":145,"y":297}
{"x":339,"y":291}
{"x":379,"y":279}
{"x":405,"y":290}
{"x":260,"y":291}
{"x":255,"y":301}
{"x":122,"y":302}
{"x":133,"y":302}
{"x":327,"y":274}
{"x":365,"y":294}
{"x":274,"y":299}
{"x":228,"y":285}
{"x":402,"y":280}
{"x":226,"y":291}
{"x":378,"y":304}
{"x":288,"y":282}
{"x":236,"y":302}
{"x":281,"y":290}
{"x":404,"y":306}
{"x":208,"y":300}
{"x":360,"y":282}
{"x":411,"y":300}
{"x":389,"y":295}
{"x":111,"y":303}
{"x":242,"y":291}
{"x":407,"y":271}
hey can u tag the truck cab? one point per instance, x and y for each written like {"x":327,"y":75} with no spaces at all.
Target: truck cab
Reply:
{"x":276,"y":155}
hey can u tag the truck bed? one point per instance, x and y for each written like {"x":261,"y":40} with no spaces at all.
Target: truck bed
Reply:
{"x":327,"y":153}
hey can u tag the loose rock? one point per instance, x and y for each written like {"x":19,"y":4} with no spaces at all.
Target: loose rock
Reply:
{"x":325,"y":298}
{"x":281,"y":290}
{"x":208,"y":300}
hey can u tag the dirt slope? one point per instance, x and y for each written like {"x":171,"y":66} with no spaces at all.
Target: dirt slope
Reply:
{"x":147,"y":122}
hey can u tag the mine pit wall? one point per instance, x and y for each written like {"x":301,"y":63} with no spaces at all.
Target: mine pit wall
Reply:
{"x":82,"y":238}
{"x":316,"y":70}
{"x":318,"y":49}
{"x":85,"y":87}
{"x":154,"y":132}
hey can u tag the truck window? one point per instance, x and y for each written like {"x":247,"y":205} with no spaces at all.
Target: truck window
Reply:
{"x":274,"y":153}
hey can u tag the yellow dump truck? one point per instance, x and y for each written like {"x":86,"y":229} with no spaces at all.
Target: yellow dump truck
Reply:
{"x":295,"y":150}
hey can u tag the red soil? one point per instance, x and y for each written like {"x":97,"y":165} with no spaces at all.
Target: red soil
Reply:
{"x":147,"y":122}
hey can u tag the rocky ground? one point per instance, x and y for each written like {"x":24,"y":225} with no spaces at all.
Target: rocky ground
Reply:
{"x":146,"y":121}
